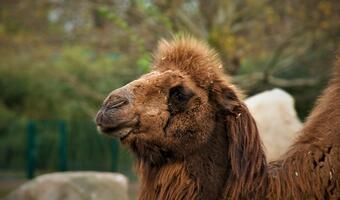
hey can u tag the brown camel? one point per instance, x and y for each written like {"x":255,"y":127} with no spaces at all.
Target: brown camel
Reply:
{"x":194,"y":138}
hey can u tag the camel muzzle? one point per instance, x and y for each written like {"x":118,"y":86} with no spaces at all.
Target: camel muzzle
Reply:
{"x":115,"y":117}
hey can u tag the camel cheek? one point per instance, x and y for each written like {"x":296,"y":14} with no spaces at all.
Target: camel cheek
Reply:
{"x":153,"y":121}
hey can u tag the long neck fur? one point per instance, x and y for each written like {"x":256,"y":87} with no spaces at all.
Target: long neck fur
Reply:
{"x":310,"y":169}
{"x":199,"y":176}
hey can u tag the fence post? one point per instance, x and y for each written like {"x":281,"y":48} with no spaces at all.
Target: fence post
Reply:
{"x":31,"y":149}
{"x":62,"y":146}
{"x":114,"y":159}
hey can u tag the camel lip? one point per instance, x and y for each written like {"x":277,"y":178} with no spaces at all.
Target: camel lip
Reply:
{"x":121,"y":130}
{"x":116,"y":132}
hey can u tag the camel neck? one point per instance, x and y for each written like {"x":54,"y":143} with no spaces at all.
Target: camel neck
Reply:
{"x":200,"y":175}
{"x":251,"y":182}
{"x":193,"y":179}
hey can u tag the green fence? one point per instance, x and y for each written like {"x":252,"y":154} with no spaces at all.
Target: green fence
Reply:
{"x":43,"y":146}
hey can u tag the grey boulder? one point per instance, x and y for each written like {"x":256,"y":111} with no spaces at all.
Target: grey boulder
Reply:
{"x":73,"y":186}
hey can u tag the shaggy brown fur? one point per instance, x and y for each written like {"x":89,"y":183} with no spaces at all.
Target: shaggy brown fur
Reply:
{"x":194,"y":138}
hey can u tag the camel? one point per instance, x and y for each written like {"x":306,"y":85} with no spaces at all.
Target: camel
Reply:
{"x":194,"y":138}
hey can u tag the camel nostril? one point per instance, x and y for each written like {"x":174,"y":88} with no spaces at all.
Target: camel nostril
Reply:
{"x":115,"y":102}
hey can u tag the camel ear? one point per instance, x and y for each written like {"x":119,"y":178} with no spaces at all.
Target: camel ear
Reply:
{"x":245,"y":153}
{"x":227,"y":99}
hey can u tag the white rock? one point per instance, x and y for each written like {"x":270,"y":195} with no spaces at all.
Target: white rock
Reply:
{"x":74,"y":186}
{"x":276,"y":120}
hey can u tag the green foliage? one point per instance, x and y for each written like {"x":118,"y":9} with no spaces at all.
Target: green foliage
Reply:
{"x":143,"y":63}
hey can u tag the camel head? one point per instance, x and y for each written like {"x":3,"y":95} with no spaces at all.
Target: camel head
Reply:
{"x":172,"y":111}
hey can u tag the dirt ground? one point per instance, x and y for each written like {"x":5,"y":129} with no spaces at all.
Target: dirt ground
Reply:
{"x":8,"y":185}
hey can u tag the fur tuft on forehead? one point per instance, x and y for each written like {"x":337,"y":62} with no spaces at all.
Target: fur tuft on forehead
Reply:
{"x":191,"y":57}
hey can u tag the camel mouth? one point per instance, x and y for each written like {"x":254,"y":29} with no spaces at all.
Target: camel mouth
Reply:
{"x":121,"y":130}
{"x":116,"y":132}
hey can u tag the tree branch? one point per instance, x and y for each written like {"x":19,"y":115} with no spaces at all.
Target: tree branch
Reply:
{"x":250,"y":80}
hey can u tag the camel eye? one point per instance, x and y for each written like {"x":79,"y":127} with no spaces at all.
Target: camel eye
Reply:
{"x":178,"y":99}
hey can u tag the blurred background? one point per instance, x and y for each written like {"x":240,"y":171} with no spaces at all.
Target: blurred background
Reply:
{"x":59,"y":59}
